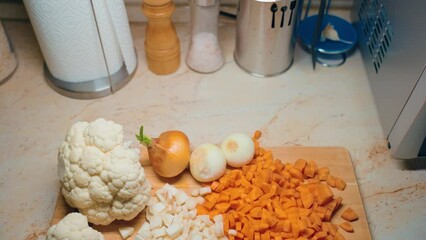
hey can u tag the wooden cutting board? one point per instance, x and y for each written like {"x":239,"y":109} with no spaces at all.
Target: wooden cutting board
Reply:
{"x":335,"y":158}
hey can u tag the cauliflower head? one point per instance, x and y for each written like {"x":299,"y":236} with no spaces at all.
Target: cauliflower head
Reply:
{"x":73,"y":226}
{"x":100,"y":176}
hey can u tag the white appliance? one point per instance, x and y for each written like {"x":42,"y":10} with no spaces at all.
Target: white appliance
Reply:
{"x":392,"y":40}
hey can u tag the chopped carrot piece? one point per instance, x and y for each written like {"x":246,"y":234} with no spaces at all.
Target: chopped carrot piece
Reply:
{"x":323,"y":194}
{"x":340,"y":184}
{"x":321,"y":235}
{"x":202,"y":210}
{"x":331,"y":181}
{"x":349,"y":215}
{"x":346,"y":226}
{"x":238,"y":226}
{"x":256,"y":212}
{"x":327,"y":215}
{"x":307,"y":198}
{"x":296,"y":173}
{"x":265,"y":236}
{"x":286,"y":225}
{"x":212,"y":198}
{"x":225,"y":223}
{"x":257,"y":134}
{"x":222,"y":207}
{"x":214,"y":185}
{"x":300,"y":164}
{"x":231,"y":220}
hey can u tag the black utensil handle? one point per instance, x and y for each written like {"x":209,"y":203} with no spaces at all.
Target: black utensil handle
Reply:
{"x":274,"y":8}
{"x":317,"y":32}
{"x":292,"y":7}
{"x":283,"y":9}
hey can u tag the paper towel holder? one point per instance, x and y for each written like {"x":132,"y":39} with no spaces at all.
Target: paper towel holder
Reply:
{"x":95,"y":88}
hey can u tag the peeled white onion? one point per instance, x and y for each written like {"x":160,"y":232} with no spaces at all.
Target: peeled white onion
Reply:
{"x":207,"y":163}
{"x":238,"y":149}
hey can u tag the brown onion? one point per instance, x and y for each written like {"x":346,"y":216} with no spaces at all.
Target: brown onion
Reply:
{"x":169,"y":153}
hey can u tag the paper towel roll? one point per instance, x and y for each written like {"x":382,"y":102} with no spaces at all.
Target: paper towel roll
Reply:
{"x":68,"y":37}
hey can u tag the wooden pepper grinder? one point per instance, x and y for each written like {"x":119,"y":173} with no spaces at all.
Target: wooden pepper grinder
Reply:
{"x":161,"y":42}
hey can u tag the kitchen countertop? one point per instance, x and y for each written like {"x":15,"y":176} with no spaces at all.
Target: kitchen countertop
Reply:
{"x":325,"y":107}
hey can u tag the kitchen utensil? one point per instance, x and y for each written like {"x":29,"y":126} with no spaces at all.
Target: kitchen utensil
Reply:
{"x":317,"y":32}
{"x":265,"y":36}
{"x":335,"y":158}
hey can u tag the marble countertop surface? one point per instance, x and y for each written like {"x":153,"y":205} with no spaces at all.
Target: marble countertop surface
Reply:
{"x":325,"y":107}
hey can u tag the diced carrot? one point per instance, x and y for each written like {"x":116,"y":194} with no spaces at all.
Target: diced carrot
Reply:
{"x":231,"y":221}
{"x":331,"y":181}
{"x":256,"y":212}
{"x":307,"y":221}
{"x":214,"y":185}
{"x":225,"y":223}
{"x":255,"y":193}
{"x":286,"y":225}
{"x":327,"y":215}
{"x":323,"y":194}
{"x":223,"y":198}
{"x":240,"y":235}
{"x":257,"y":134}
{"x":202,"y":210}
{"x":349,"y":215}
{"x":307,"y":198}
{"x":212,"y":198}
{"x":346,"y":226}
{"x":265,"y":186}
{"x":213,"y":213}
{"x":280,"y":213}
{"x":295,"y":229}
{"x":208,"y":205}
{"x":340,"y":184}
{"x":323,"y":172}
{"x":315,"y":218}
{"x":246,"y":229}
{"x":321,"y":235}
{"x":222,"y":207}
{"x":300,"y":164}
{"x":333,"y":229}
{"x":287,"y":235}
{"x":257,"y":236}
{"x":308,"y":233}
{"x":296,"y":173}
{"x":238,"y":226}
{"x":333,"y":205}
{"x":313,"y":181}
{"x":265,"y":236}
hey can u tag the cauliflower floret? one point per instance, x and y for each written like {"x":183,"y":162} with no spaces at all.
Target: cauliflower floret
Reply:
{"x":100,"y":176}
{"x":73,"y":226}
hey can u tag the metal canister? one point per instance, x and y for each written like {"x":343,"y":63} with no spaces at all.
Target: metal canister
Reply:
{"x":266,"y":35}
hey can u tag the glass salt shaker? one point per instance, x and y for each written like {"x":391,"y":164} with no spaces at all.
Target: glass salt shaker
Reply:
{"x":204,"y":54}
